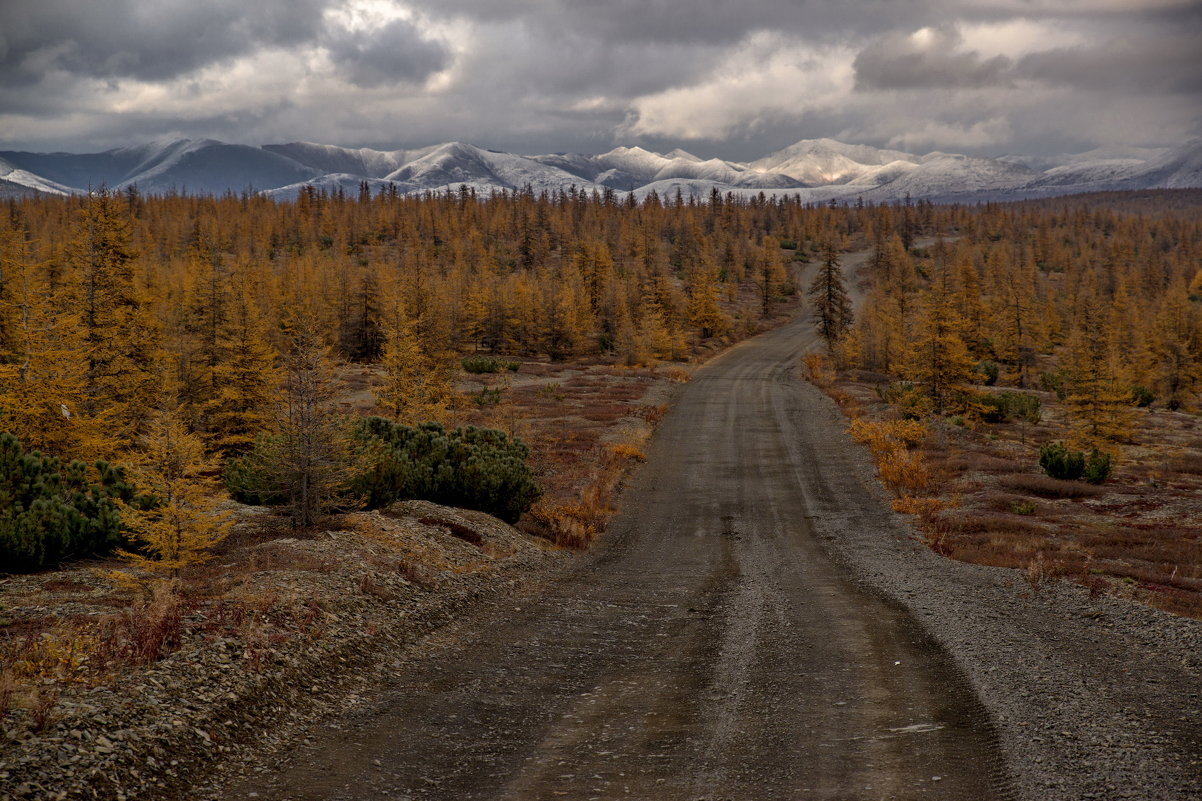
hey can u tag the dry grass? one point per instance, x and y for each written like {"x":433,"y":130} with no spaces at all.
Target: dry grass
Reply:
{"x":1048,"y":487}
{"x":983,"y":500}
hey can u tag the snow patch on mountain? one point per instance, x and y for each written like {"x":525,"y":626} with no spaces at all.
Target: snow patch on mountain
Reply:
{"x":23,"y":178}
{"x":815,"y":170}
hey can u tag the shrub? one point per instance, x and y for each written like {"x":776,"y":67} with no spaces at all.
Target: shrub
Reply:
{"x":989,"y":371}
{"x":1097,"y":467}
{"x":488,"y":364}
{"x":999,"y":407}
{"x":1054,"y":381}
{"x":887,"y":436}
{"x":1061,"y":463}
{"x":248,"y":478}
{"x":1047,"y":487}
{"x":473,"y":468}
{"x":910,"y":400}
{"x":1142,"y":396}
{"x":487,"y":397}
{"x":49,"y":513}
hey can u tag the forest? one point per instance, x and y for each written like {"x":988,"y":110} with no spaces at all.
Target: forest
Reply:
{"x":156,"y":352}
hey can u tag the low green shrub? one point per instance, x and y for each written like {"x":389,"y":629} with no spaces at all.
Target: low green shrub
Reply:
{"x":1054,"y":381}
{"x":1061,"y":463}
{"x":1142,"y":396}
{"x":989,"y":372}
{"x":1097,"y":468}
{"x":1007,"y":405}
{"x":488,"y":364}
{"x":910,"y":400}
{"x":248,"y":478}
{"x":487,"y":397}
{"x":50,"y":513}
{"x":472,"y":468}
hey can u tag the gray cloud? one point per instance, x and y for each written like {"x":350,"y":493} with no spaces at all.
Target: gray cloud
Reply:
{"x":394,"y":53}
{"x":729,"y":78}
{"x":927,"y":59}
{"x":1140,"y":64}
{"x":145,"y":39}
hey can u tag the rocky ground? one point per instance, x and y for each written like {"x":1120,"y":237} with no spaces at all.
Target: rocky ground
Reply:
{"x":327,"y":607}
{"x":1093,"y":695}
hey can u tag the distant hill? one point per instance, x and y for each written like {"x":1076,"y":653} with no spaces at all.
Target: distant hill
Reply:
{"x":814,"y":169}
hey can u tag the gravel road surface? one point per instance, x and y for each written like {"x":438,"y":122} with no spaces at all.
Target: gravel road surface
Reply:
{"x":758,"y":625}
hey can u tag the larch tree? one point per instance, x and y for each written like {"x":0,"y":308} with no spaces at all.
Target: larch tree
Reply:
{"x":829,"y":299}
{"x":120,"y":333}
{"x":1176,"y":348}
{"x":43,"y":366}
{"x":415,"y":389}
{"x":309,"y":459}
{"x":184,"y":523}
{"x":703,"y":309}
{"x":939,"y":361}
{"x":246,"y":377}
{"x":1099,"y":402}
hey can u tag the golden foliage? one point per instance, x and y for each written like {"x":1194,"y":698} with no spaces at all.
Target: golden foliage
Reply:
{"x":184,"y":523}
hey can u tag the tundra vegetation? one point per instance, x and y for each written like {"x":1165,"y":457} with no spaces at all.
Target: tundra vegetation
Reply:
{"x":511,"y":353}
{"x":1052,"y":353}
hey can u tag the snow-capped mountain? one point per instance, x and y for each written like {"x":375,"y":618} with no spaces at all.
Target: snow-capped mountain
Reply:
{"x":814,"y":169}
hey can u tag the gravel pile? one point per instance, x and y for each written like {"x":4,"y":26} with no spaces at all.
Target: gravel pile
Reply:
{"x":154,"y":732}
{"x":1092,"y":697}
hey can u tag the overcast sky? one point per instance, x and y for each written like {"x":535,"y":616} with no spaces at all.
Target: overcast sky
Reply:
{"x":729,"y":78}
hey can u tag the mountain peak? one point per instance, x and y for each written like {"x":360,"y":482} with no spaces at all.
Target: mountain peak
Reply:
{"x":813,"y":169}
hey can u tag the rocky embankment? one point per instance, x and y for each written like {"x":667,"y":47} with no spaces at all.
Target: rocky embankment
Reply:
{"x":355,"y":594}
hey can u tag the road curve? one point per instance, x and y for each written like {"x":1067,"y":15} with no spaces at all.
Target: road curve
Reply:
{"x":709,"y":649}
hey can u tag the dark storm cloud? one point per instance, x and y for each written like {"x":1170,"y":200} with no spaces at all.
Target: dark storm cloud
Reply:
{"x":1131,"y":64}
{"x":149,"y":40}
{"x":729,"y":78}
{"x":708,"y":22}
{"x":928,"y":59}
{"x":393,"y":53}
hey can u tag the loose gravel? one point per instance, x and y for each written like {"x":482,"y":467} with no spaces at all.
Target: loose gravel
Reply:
{"x":1092,"y":697}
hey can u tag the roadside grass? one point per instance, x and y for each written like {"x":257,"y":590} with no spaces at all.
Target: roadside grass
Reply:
{"x":976,"y":494}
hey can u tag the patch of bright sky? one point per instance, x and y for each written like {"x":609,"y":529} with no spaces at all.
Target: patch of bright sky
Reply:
{"x":1017,"y":37}
{"x":766,"y":73}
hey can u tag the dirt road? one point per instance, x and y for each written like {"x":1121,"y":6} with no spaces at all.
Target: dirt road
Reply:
{"x":709,"y":650}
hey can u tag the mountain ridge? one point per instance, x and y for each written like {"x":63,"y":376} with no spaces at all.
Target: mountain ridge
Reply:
{"x":816,"y":170}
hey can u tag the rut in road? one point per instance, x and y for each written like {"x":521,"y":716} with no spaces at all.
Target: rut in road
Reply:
{"x":709,"y":649}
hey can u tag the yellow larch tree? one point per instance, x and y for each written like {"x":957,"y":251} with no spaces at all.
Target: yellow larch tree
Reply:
{"x":939,"y":360}
{"x":1099,"y":401}
{"x":43,"y":366}
{"x":246,"y":377}
{"x":120,"y":333}
{"x":415,"y":388}
{"x":183,"y":523}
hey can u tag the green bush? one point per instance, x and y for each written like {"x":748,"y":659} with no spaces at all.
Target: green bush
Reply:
{"x":248,"y":477}
{"x":910,"y":400}
{"x":49,"y":513}
{"x":1054,"y":381}
{"x":1059,"y":462}
{"x":989,"y":371}
{"x":487,"y":397}
{"x":1008,"y":405}
{"x":1097,"y":467}
{"x":488,"y":364}
{"x":1142,"y":396}
{"x":473,"y":468}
